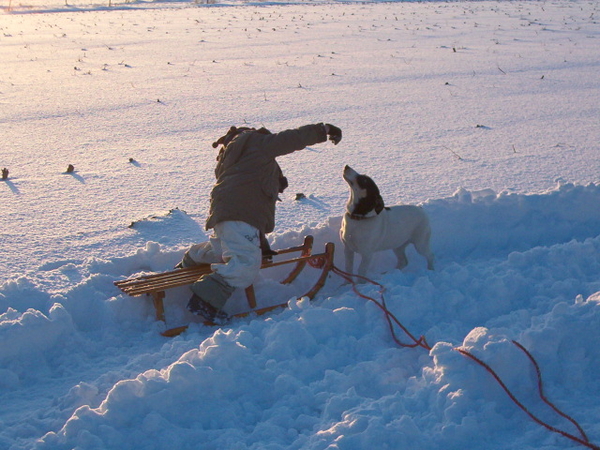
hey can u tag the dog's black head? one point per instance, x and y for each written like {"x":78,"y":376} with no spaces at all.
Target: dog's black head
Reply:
{"x":365,"y":199}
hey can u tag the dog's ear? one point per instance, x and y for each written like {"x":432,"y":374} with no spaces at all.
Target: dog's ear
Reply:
{"x":379,"y":205}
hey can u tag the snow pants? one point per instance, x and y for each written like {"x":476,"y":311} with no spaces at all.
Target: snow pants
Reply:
{"x":234,"y":253}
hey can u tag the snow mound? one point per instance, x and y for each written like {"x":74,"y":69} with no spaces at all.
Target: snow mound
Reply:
{"x":326,"y":372}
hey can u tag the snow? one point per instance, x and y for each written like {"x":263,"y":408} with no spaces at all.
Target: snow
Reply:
{"x":485,"y":113}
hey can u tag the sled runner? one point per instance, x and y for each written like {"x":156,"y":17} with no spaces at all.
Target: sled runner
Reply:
{"x":155,"y":285}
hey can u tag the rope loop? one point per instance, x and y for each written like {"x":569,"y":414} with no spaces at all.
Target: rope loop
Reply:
{"x":391,"y":318}
{"x":422,"y":342}
{"x":317,"y":262}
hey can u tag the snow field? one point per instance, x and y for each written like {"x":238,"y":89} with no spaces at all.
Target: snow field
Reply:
{"x":485,"y":113}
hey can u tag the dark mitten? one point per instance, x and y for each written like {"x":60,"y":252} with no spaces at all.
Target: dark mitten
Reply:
{"x":283,"y":184}
{"x":265,"y":247}
{"x":334,"y":133}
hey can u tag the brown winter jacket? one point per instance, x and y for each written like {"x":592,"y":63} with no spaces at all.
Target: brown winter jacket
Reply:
{"x":248,"y":175}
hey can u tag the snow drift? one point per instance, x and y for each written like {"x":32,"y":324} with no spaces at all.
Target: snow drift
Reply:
{"x":326,"y":373}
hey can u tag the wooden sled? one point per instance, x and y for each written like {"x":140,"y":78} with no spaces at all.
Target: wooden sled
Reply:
{"x":155,"y":285}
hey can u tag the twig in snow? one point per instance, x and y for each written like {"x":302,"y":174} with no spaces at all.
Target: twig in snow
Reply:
{"x":454,"y":153}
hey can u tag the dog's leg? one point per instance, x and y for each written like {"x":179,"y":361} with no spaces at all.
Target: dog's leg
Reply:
{"x":349,"y":257}
{"x":365,"y":262}
{"x":422,"y":246}
{"x":430,"y":260}
{"x":401,"y":255}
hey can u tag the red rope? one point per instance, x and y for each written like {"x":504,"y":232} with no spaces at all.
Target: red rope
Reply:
{"x":422,"y":342}
{"x":543,"y":396}
{"x":583,"y":441}
{"x":317,"y":262}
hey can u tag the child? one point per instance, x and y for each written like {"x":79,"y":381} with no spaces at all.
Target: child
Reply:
{"x":242,"y":210}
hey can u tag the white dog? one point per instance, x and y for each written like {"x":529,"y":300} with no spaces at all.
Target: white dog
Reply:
{"x":368,"y":226}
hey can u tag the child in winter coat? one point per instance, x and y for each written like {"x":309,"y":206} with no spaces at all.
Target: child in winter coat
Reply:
{"x":242,"y":210}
